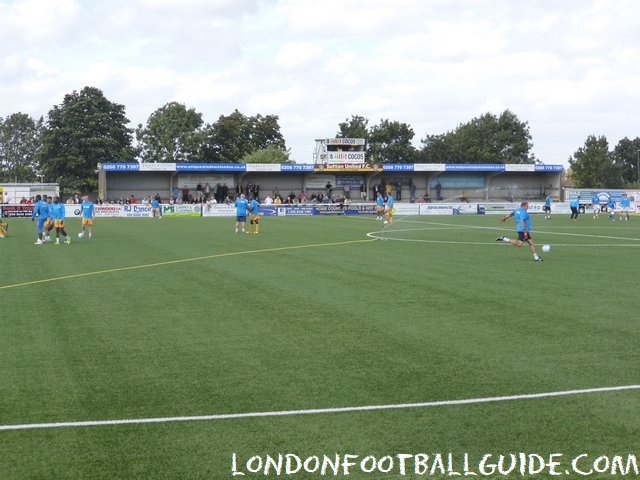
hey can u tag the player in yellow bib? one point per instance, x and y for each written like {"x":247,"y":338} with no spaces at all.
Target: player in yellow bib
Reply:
{"x":388,"y":210}
{"x":254,"y":216}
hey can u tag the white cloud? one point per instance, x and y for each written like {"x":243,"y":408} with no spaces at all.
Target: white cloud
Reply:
{"x":569,"y":68}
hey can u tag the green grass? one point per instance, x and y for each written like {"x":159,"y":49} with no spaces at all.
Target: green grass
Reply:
{"x":182,"y":317}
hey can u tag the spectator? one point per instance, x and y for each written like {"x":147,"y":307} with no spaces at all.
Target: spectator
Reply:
{"x":329,"y":188}
{"x":412,"y":192}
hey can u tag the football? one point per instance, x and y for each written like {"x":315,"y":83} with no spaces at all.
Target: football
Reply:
{"x":81,"y":235}
{"x":546,"y":248}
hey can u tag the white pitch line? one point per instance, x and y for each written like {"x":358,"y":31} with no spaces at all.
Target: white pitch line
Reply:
{"x":319,"y":411}
{"x":446,"y":226}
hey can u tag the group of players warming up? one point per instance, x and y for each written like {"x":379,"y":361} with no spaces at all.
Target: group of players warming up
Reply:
{"x":244,"y":207}
{"x":49,"y":214}
{"x":384,"y":209}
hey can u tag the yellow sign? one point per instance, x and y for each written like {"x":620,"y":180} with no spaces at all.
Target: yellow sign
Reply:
{"x":347,"y":167}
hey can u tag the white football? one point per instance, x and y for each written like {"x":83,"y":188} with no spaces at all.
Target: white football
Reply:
{"x":386,"y":222}
{"x":81,"y":235}
{"x":546,"y":248}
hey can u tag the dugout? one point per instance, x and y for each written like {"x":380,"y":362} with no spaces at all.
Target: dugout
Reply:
{"x":479,"y":182}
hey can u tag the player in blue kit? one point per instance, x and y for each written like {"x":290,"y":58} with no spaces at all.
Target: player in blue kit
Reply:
{"x":388,"y":210}
{"x":48,"y":223}
{"x":379,"y":206}
{"x":523,"y":229}
{"x":58,"y":214}
{"x":87,"y":214}
{"x":40,"y":210}
{"x":595,"y":204}
{"x":254,"y":216}
{"x":156,"y":210}
{"x":574,"y":205}
{"x":611,"y":208}
{"x":547,"y":207}
{"x":625,"y":203}
{"x":241,"y":212}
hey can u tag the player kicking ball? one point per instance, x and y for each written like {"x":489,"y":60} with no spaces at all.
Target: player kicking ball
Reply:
{"x":523,"y":227}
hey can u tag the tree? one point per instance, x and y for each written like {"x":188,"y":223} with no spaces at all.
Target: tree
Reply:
{"x":592,"y":167}
{"x":356,"y":127}
{"x":486,"y":139}
{"x":19,"y":147}
{"x":172,"y":134}
{"x":390,"y":142}
{"x":265,"y":132}
{"x":84,"y":130}
{"x":436,"y":149}
{"x":235,"y":136}
{"x":271,"y":154}
{"x":626,"y":158}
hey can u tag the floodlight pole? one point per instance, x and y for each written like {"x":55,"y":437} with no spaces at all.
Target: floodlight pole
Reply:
{"x":638,"y":166}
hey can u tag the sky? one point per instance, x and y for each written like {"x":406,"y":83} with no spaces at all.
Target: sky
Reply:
{"x":569,"y":68}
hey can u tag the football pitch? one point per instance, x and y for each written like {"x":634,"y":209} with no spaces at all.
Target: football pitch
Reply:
{"x":178,"y":349}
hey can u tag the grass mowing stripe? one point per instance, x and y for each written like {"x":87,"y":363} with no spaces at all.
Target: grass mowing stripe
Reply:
{"x":316,"y":411}
{"x":173,"y":262}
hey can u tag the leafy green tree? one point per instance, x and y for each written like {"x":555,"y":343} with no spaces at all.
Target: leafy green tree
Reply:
{"x":271,"y":154}
{"x":19,"y":147}
{"x":355,"y":127}
{"x":626,"y":158}
{"x":84,"y":130}
{"x":265,"y":132}
{"x":436,"y":149}
{"x":172,"y":134}
{"x":486,"y":139}
{"x":235,"y":136}
{"x":592,"y":166}
{"x":390,"y":142}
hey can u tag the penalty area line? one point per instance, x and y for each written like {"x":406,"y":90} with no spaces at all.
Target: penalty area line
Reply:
{"x":182,"y":260}
{"x":320,"y":411}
